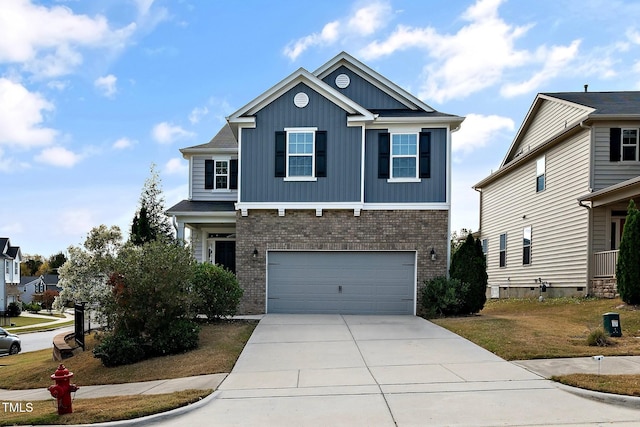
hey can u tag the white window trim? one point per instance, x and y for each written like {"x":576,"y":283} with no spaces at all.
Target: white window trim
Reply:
{"x":636,"y":145}
{"x":530,"y":245}
{"x":415,"y":156}
{"x":215,"y":174}
{"x":312,"y":177}
{"x":541,"y":161}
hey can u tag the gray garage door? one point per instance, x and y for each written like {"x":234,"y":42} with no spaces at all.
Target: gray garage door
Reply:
{"x":341,"y":282}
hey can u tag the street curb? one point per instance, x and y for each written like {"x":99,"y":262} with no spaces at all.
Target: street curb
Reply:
{"x":609,"y":398}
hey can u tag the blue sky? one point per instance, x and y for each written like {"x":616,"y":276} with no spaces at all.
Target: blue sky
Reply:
{"x":93,"y":92}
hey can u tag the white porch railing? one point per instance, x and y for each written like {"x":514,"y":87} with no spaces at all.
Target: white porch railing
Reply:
{"x":604,"y":264}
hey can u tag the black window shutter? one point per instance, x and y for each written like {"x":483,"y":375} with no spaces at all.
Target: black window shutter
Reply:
{"x":321,"y":153}
{"x":208,"y":174}
{"x":425,"y":154}
{"x":233,"y":174}
{"x":281,"y":154}
{"x":384,"y":142}
{"x":615,"y":141}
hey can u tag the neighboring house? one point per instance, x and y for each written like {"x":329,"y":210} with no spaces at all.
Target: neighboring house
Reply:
{"x":35,"y":286}
{"x":10,"y":258}
{"x":553,"y":213}
{"x":328,"y":193}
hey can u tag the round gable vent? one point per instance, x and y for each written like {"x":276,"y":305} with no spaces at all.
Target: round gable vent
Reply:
{"x":301,"y":100}
{"x":342,"y":81}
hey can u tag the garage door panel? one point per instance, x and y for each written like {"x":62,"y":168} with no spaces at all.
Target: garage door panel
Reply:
{"x":346,"y":282}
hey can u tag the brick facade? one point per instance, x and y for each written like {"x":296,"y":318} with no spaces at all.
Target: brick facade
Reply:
{"x":264,"y":230}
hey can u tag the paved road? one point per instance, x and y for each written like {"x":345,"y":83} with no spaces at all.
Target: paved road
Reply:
{"x":40,"y":340}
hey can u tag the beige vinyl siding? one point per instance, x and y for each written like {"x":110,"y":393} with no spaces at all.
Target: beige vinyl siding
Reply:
{"x":559,"y":225}
{"x":198,"y":191}
{"x":607,"y":173}
{"x":552,"y":118}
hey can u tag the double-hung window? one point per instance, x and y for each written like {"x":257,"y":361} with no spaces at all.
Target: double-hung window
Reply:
{"x":220,"y":174}
{"x":404,"y":155}
{"x":526,"y":245}
{"x":485,"y":247}
{"x":630,"y":145}
{"x":503,"y":250}
{"x":300,"y":152}
{"x":540,"y":174}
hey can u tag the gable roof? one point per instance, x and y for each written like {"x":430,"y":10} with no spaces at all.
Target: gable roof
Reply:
{"x":246,"y":113}
{"x":224,"y":140}
{"x":605,"y":104}
{"x":373,"y":77}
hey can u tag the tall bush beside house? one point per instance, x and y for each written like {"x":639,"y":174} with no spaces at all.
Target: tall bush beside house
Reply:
{"x":442,"y":297}
{"x":217,"y":291}
{"x":628,"y":268}
{"x":468,"y":264}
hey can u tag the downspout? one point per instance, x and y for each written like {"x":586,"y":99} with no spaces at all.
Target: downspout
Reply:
{"x":582,"y":204}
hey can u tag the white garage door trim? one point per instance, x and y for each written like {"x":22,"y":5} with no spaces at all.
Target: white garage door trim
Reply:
{"x":414,"y":279}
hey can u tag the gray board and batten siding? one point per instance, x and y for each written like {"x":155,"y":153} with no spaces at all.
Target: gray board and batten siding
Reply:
{"x":428,"y":190}
{"x":342,"y":183}
{"x":363,"y":92}
{"x":343,"y":282}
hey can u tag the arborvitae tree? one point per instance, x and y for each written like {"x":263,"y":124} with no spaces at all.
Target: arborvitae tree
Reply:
{"x":141,"y":231}
{"x":469,"y":265}
{"x":152,"y":200}
{"x":628,"y":268}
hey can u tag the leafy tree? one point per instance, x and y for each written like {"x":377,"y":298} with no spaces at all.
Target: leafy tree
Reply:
{"x":56,"y":261}
{"x":44,"y":268}
{"x":469,"y":265}
{"x":628,"y":268}
{"x":84,"y":276}
{"x":152,"y":203}
{"x":217,"y":290}
{"x":31,"y":265}
{"x":457,"y":238}
{"x":149,"y":303}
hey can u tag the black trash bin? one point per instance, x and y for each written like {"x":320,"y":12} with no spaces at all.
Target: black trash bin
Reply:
{"x":611,"y":323}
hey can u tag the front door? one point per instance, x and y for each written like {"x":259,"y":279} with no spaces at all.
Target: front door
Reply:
{"x":225,"y":254}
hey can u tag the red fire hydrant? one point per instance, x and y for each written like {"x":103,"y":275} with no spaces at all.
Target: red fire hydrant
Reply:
{"x":62,"y":390}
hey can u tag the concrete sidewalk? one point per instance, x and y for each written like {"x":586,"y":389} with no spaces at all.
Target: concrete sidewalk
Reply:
{"x":48,"y":322}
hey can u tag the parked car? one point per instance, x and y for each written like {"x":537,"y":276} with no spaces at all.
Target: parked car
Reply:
{"x":9,"y":343}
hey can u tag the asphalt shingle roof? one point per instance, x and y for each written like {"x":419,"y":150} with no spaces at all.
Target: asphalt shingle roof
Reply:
{"x":202,"y":206}
{"x":605,"y":103}
{"x":223,"y":139}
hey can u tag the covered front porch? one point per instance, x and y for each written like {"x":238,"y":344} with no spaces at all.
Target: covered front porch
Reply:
{"x":210,"y":229}
{"x":608,"y":211}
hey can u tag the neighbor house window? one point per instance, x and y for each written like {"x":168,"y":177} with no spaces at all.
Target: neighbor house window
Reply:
{"x":7,"y":267}
{"x":630,"y":145}
{"x":221,"y":174}
{"x":540,"y":174}
{"x":503,"y":250}
{"x":485,"y":247}
{"x":526,"y":246}
{"x":404,"y":155}
{"x":16,"y":267}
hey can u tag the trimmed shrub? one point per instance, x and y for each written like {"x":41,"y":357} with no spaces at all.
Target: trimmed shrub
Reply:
{"x":181,"y":336}
{"x":118,"y":349}
{"x":217,"y":291}
{"x":14,"y":309}
{"x":598,"y":338}
{"x":628,"y":268}
{"x":469,"y":265}
{"x":443,"y":297}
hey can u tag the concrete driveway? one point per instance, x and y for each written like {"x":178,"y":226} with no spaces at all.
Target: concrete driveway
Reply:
{"x":319,"y":370}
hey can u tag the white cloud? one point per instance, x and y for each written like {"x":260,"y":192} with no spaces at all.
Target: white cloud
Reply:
{"x":362,"y":22}
{"x":57,"y":84}
{"x":123,"y":143}
{"x":476,"y":56}
{"x":176,"y":166}
{"x":478,"y":131}
{"x":21,"y":116}
{"x":47,"y":41}
{"x":197,"y":114}
{"x":75,"y":222}
{"x":166,"y":133}
{"x":5,"y":162}
{"x":58,"y":156}
{"x":107,"y":85}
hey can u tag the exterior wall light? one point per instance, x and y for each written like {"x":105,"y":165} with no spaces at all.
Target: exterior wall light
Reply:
{"x":433,"y":254}
{"x":255,"y":252}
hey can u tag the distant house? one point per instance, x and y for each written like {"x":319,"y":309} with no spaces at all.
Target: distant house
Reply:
{"x":32,"y":287}
{"x":10,"y":258}
{"x":328,"y":193}
{"x":551,"y":216}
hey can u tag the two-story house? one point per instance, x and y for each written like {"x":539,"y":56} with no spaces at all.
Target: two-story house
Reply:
{"x":328,"y":193}
{"x":551,"y":216}
{"x":10,"y":258}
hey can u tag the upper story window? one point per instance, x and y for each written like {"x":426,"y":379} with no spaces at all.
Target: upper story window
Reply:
{"x":404,"y":157}
{"x":526,"y":245}
{"x":7,"y":267}
{"x":16,"y":267}
{"x":540,"y":174}
{"x":485,"y":247}
{"x":301,"y":154}
{"x":624,"y":145}
{"x":221,"y":174}
{"x":503,"y":250}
